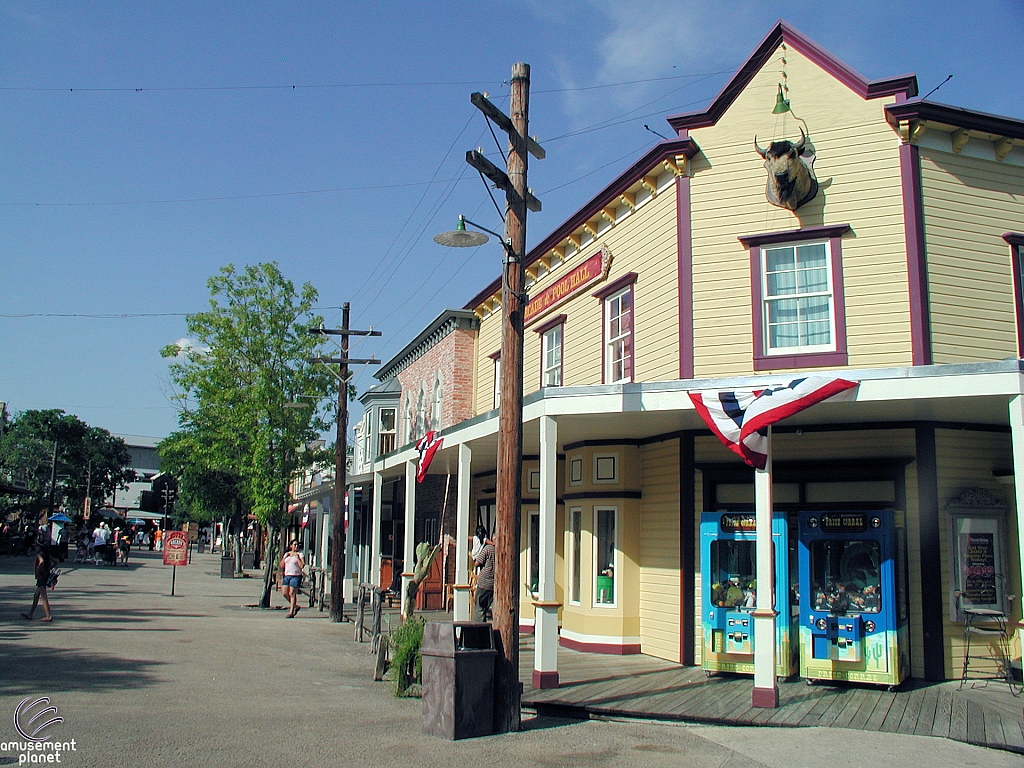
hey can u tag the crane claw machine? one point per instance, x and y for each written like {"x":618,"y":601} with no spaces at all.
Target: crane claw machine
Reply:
{"x":729,"y":592}
{"x":853,"y":597}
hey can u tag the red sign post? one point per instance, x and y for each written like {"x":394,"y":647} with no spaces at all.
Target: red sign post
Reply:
{"x":175,"y":552}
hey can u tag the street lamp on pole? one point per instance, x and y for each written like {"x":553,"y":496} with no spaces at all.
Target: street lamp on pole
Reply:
{"x":507,"y":691}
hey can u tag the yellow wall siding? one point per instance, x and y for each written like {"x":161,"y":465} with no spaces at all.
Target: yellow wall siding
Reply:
{"x":967,"y":459}
{"x":660,"y":608}
{"x":644,"y":242}
{"x":858,"y":168}
{"x":968,"y":204}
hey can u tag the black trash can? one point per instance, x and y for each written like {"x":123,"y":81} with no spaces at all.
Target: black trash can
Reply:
{"x":227,"y":567}
{"x":458,"y":679}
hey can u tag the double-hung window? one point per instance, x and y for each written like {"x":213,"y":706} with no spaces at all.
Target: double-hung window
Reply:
{"x":618,"y":339}
{"x":618,"y":336}
{"x":551,"y":335}
{"x":799,"y":316}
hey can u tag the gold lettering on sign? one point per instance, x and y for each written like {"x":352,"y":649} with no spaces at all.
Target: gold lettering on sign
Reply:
{"x":594,"y":268}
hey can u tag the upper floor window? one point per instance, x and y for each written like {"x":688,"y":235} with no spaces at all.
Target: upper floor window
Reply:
{"x":617,"y":304}
{"x":799,"y":314}
{"x":551,"y":336}
{"x":1016,"y":241}
{"x":436,"y":403}
{"x":386,"y":431}
{"x":618,"y":336}
{"x":496,"y":392}
{"x":797,"y":294}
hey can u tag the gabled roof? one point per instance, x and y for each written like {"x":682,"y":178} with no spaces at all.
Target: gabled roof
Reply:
{"x":783,"y":33}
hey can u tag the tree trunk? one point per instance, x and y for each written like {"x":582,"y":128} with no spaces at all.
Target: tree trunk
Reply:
{"x":269,"y":566}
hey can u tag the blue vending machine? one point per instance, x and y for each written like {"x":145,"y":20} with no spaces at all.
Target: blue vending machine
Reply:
{"x":853,"y":597}
{"x":728,"y":541}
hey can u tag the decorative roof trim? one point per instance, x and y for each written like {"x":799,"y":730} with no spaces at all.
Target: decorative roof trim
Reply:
{"x":807,"y":233}
{"x":904,"y":86}
{"x":448,"y":321}
{"x":958,"y":117}
{"x":653,"y":157}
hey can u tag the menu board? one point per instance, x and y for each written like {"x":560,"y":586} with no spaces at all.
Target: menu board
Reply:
{"x":979,"y":568}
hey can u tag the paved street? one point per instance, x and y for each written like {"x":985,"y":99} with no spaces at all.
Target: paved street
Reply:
{"x":145,"y":679}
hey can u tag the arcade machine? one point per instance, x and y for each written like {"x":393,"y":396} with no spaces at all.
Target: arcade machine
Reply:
{"x":728,"y":542}
{"x":853,"y":597}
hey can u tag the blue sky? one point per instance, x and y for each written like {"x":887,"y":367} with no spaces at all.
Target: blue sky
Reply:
{"x":145,"y":145}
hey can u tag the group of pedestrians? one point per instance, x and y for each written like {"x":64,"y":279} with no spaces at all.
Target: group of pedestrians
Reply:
{"x":104,"y":545}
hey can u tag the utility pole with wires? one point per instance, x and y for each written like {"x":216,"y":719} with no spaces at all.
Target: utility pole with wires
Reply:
{"x":340,"y":449}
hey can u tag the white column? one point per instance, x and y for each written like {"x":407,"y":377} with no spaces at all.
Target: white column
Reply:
{"x":373,"y":559}
{"x":348,"y":514}
{"x":1017,"y":439}
{"x":545,"y":657}
{"x":410,"y":528}
{"x":766,"y":691}
{"x":462,"y":610}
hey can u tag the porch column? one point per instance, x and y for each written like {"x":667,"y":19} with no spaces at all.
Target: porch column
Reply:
{"x":766,"y":690}
{"x":461,"y":609}
{"x":545,"y":657}
{"x":1017,"y":438}
{"x":348,"y":508}
{"x":410,"y":530}
{"x":373,"y":561}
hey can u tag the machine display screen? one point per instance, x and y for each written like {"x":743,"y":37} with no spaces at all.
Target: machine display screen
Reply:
{"x":733,"y":574}
{"x":846,"y":576}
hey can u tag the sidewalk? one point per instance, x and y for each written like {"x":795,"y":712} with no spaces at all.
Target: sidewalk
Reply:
{"x":144,"y":679}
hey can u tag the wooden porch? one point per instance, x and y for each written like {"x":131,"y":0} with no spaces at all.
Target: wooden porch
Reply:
{"x":984,"y":713}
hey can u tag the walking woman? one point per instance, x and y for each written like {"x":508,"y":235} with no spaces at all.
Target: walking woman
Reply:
{"x":291,"y":568}
{"x":43,"y":567}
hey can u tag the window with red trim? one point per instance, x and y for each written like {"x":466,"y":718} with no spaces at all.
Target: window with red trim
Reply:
{"x":799,"y":313}
{"x":618,"y":336}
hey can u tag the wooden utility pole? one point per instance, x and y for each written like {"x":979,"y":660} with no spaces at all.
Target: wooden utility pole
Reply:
{"x":340,"y":449}
{"x":507,"y":690}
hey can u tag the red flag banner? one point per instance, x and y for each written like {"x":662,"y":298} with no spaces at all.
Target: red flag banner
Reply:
{"x":427,"y":446}
{"x":739,"y":418}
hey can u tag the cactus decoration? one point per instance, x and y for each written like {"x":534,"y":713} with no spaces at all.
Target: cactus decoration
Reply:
{"x":425,"y":555}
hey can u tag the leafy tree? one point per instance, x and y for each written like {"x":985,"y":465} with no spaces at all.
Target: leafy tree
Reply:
{"x":248,"y":357}
{"x":89,"y":461}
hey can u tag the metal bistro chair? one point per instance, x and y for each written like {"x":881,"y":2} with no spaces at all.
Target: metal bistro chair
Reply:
{"x":985,"y":640}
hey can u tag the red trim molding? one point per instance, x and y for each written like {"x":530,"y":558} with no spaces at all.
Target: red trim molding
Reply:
{"x":1016,"y":243}
{"x":968,"y":119}
{"x":684,"y":246}
{"x":905,"y":85}
{"x":615,"y":649}
{"x":549,"y":324}
{"x":765,"y":362}
{"x":543,"y":680}
{"x":917,"y":270}
{"x":765,"y":698}
{"x":615,"y":285}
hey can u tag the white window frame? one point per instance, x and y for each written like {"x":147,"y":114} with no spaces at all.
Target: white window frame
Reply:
{"x":622,"y":339}
{"x":601,"y":461}
{"x":436,"y":404}
{"x":382,"y":433}
{"x":616,"y":560}
{"x":551,"y":356}
{"x":575,"y":463}
{"x":574,"y":566}
{"x":497,"y":382}
{"x":767,"y":300}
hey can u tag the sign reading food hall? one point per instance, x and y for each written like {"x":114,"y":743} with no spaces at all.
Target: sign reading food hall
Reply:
{"x":593,"y":269}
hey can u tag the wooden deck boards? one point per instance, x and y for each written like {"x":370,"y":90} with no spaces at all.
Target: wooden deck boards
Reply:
{"x":641,"y":686}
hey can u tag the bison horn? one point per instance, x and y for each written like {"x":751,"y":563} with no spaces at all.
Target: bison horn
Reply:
{"x":761,"y":152}
{"x":799,"y":146}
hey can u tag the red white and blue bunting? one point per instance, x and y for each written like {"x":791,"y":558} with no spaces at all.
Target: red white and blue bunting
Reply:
{"x":740,"y":419}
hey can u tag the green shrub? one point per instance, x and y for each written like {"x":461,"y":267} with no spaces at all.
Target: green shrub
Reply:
{"x":406,"y":660}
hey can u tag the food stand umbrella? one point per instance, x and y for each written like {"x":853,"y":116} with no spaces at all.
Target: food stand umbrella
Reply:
{"x":60,"y":517}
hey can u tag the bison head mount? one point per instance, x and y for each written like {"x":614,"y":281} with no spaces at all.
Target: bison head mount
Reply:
{"x":791,"y":181}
